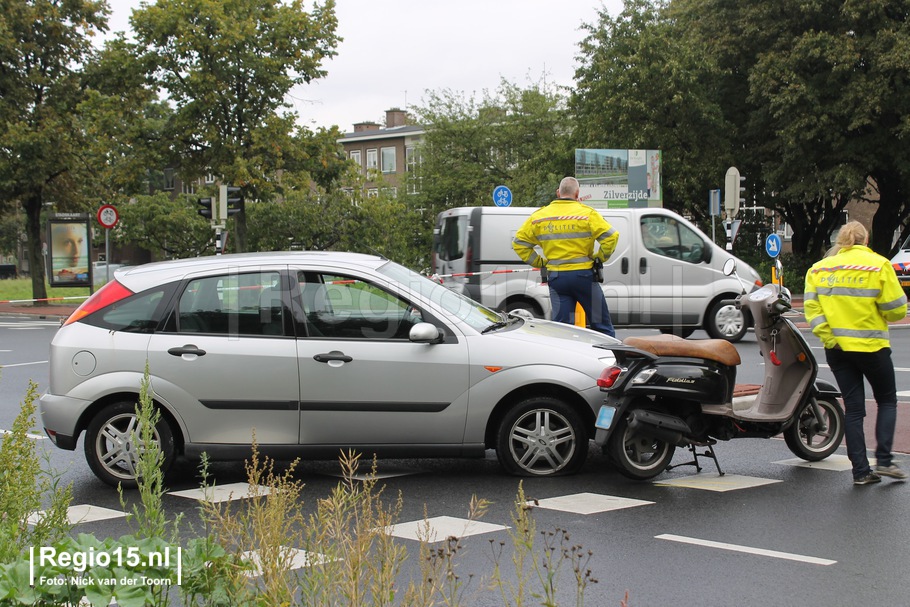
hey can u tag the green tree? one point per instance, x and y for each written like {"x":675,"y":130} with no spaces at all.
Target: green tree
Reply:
{"x":227,"y":69}
{"x":818,"y":93}
{"x":517,"y":137}
{"x":43,"y":43}
{"x":167,"y":225}
{"x":642,"y":85}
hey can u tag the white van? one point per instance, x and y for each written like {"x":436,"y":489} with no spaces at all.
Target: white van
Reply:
{"x":665,"y":272}
{"x":901,"y":263}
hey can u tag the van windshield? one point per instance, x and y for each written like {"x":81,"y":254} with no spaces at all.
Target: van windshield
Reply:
{"x":450,"y":243}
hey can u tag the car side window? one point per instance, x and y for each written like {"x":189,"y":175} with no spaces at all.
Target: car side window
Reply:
{"x":232,"y":304}
{"x":342,"y":307}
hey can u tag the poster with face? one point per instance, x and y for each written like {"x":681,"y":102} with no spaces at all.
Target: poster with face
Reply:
{"x":68,"y":250}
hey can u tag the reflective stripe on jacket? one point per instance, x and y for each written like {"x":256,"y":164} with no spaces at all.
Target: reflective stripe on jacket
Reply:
{"x":566,"y":231}
{"x":850,"y":298}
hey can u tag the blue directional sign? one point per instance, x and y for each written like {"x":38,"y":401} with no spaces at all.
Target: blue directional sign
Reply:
{"x":502,"y":196}
{"x":773,"y":245}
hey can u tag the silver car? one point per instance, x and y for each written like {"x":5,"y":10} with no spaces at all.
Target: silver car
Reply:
{"x":317,"y":352}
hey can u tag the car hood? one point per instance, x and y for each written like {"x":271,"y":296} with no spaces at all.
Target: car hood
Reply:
{"x":556,"y":335}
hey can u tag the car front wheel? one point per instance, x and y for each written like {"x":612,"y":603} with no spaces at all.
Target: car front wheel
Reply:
{"x":542,"y":436}
{"x":111,"y":444}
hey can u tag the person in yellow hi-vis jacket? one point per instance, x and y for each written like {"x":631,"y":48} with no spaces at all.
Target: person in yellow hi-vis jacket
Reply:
{"x":850,"y":297}
{"x":567,"y":231}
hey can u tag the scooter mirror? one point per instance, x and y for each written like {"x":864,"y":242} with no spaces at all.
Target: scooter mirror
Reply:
{"x":729,"y":267}
{"x":779,"y":272}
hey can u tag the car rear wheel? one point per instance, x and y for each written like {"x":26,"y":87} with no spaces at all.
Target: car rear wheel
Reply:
{"x":542,"y":436}
{"x":110,"y":448}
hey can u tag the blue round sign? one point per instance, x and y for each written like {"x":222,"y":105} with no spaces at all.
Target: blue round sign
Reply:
{"x":773,"y":245}
{"x":502,"y":196}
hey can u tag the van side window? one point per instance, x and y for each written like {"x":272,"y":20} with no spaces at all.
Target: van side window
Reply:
{"x":452,"y":237}
{"x":667,"y":237}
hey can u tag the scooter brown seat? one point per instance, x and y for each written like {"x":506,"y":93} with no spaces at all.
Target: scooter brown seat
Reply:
{"x":718,"y":350}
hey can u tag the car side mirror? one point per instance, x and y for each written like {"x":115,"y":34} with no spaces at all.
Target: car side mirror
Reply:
{"x":424,"y":333}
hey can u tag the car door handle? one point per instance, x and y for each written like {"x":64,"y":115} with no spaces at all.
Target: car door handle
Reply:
{"x":332,"y":356}
{"x":625,"y":265}
{"x":642,"y":266}
{"x":187,"y":349}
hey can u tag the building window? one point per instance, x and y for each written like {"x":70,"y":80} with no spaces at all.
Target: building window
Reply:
{"x":209,"y":178}
{"x":388,"y":160}
{"x":372,"y":159}
{"x":355,"y":158}
{"x":372,"y":192}
{"x":169,"y":179}
{"x":413,"y":159}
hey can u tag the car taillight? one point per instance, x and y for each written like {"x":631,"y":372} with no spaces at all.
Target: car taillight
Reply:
{"x":609,"y":376}
{"x":109,"y":294}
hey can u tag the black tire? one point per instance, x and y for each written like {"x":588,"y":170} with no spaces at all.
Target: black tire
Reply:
{"x":542,"y":436}
{"x":638,"y":457}
{"x":725,"y":321}
{"x":529,"y":307}
{"x":683,"y":332}
{"x":110,"y":451}
{"x":802,"y":435}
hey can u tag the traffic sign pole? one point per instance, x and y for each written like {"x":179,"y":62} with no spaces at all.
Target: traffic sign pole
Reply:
{"x":108,"y":217}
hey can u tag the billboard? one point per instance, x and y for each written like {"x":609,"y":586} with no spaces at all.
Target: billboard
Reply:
{"x":68,"y":245}
{"x":618,"y":179}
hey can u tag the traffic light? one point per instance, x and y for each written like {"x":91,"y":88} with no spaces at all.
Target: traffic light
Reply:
{"x":231,"y":201}
{"x":206,"y":210}
{"x":733,"y":190}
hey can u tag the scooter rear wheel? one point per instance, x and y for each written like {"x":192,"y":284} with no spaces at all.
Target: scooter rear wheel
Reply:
{"x":636,"y":456}
{"x":803,"y":437}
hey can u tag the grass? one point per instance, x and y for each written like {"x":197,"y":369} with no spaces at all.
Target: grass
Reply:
{"x":21,"y":288}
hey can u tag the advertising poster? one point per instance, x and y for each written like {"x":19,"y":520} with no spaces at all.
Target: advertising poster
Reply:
{"x":68,"y":245}
{"x":619,"y":178}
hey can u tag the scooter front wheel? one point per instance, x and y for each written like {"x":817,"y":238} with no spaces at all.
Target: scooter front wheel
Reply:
{"x":804,"y":438}
{"x":637,"y":456}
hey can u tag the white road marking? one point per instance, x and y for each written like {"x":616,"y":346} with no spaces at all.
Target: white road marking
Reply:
{"x":32,"y":436}
{"x":812,"y":560}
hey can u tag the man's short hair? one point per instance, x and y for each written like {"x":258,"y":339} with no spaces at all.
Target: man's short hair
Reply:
{"x":568,"y":187}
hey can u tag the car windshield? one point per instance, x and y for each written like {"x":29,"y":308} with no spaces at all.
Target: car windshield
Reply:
{"x":465,"y":309}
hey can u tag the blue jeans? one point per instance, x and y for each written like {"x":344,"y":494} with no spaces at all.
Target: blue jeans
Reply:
{"x":849,"y":369}
{"x":577,"y":286}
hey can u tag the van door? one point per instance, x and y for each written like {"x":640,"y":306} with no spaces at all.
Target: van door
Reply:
{"x":620,"y":283}
{"x":450,"y":249}
{"x":673,"y":276}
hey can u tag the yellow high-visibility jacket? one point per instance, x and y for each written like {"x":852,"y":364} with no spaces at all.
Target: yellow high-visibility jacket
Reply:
{"x":850,"y":298}
{"x":566,"y":231}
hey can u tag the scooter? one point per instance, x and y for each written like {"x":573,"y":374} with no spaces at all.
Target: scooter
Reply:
{"x":666,"y":392}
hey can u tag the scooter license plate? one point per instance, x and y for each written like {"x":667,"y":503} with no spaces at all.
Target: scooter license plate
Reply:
{"x":605,"y":417}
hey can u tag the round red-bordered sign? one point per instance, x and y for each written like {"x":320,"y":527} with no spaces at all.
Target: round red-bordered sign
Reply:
{"x":108,"y":216}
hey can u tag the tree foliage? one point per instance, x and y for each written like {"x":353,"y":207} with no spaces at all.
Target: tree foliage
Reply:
{"x":43,"y":43}
{"x":514,"y":136}
{"x":641,"y":85}
{"x":226,"y":68}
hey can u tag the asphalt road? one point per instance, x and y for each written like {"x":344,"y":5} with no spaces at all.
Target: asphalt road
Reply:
{"x":768,"y":533}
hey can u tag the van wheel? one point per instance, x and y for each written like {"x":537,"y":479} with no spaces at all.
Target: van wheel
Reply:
{"x":109,"y":447}
{"x":524,"y":305}
{"x":725,"y":321}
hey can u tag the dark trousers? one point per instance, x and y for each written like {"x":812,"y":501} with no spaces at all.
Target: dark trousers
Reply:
{"x":569,"y":287}
{"x":849,"y":369}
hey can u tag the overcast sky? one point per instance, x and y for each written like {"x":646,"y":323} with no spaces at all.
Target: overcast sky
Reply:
{"x":396,"y":50}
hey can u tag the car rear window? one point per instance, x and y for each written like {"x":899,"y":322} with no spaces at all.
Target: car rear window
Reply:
{"x":140,"y":313}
